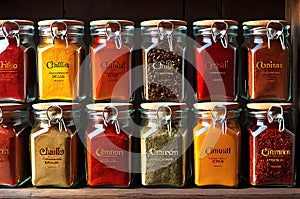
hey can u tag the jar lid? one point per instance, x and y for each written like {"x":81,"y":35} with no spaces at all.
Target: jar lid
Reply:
{"x":19,"y":22}
{"x":210,"y":22}
{"x":263,"y":22}
{"x":101,"y":106}
{"x":155,"y":105}
{"x":69,"y":22}
{"x":104,"y":22}
{"x":175,"y":22}
{"x":12,"y":106}
{"x":208,"y":106}
{"x":64,"y":105}
{"x":266,"y":106}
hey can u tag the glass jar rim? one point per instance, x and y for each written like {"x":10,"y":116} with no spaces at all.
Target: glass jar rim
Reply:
{"x":65,"y":106}
{"x":208,"y":23}
{"x":13,"y":106}
{"x":266,"y":106}
{"x":174,"y":106}
{"x":154,"y":23}
{"x":20,"y":22}
{"x":208,"y":106}
{"x":69,"y":22}
{"x":104,"y":22}
{"x":263,"y":23}
{"x":101,"y":106}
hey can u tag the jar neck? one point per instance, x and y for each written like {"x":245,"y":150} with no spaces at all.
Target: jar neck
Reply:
{"x":98,"y":115}
{"x":16,"y":116}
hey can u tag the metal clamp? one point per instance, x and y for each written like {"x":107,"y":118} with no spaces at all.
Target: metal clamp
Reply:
{"x":56,"y":118}
{"x":110,"y":116}
{"x":165,"y":117}
{"x":12,"y":33}
{"x":116,"y":34}
{"x":220,"y":33}
{"x":166,"y":33}
{"x":277,"y":117}
{"x":275,"y":34}
{"x":219,"y":118}
{"x":61,"y":34}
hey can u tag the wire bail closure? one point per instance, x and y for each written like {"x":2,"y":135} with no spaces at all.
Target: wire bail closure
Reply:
{"x":56,"y":117}
{"x":219,"y":117}
{"x":220,"y":33}
{"x":276,"y":117}
{"x":61,"y":34}
{"x":116,"y":34}
{"x":165,"y":117}
{"x":167,"y":33}
{"x":110,"y":116}
{"x":1,"y":115}
{"x":275,"y":34}
{"x":11,"y":33}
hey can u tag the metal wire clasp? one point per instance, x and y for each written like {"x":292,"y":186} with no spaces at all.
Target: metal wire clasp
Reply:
{"x":166,"y":33}
{"x":220,"y":33}
{"x":110,"y":116}
{"x":55,"y":116}
{"x":218,"y":115}
{"x":164,"y":114}
{"x":114,"y":34}
{"x":276,"y":117}
{"x":275,"y":34}
{"x":59,"y":34}
{"x":12,"y":33}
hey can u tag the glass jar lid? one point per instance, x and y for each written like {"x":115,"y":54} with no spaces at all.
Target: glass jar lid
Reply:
{"x":66,"y":106}
{"x":266,"y":106}
{"x":110,"y":21}
{"x":102,"y":106}
{"x":12,"y":106}
{"x":174,"y":106}
{"x":61,"y":28}
{"x":163,"y":22}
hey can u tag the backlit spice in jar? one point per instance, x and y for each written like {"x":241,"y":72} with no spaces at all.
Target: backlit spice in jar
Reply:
{"x":17,"y":61}
{"x":111,"y":57}
{"x":60,"y":55}
{"x":55,"y":145}
{"x":271,"y":144}
{"x":14,"y":144}
{"x":109,"y":144}
{"x":163,"y":59}
{"x":163,"y":144}
{"x":217,"y":142}
{"x":216,"y":59}
{"x":267,"y":61}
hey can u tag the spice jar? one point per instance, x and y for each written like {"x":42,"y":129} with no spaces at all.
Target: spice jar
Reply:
{"x":163,"y":144}
{"x":267,"y":61}
{"x":55,"y":145}
{"x":14,"y":146}
{"x":61,"y":52}
{"x":271,"y":144}
{"x":164,"y":46}
{"x":17,"y":61}
{"x":216,"y":59}
{"x":217,"y":142}
{"x":109,"y":144}
{"x":110,"y":52}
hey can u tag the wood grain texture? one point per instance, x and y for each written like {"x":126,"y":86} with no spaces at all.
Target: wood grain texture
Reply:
{"x":158,"y":193}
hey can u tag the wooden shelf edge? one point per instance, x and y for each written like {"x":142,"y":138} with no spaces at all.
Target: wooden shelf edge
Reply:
{"x":157,"y":193}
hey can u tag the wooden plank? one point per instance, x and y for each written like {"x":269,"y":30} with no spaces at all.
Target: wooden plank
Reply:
{"x":157,"y":193}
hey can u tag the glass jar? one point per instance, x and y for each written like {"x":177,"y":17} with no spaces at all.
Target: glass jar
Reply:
{"x":217,"y":143}
{"x":61,"y":52}
{"x":14,"y":144}
{"x":164,"y":47}
{"x":56,"y":153}
{"x":216,"y":60}
{"x":109,"y":144}
{"x":267,"y":61}
{"x":111,"y":55}
{"x":163,"y":144}
{"x":17,"y":61}
{"x":271,"y":144}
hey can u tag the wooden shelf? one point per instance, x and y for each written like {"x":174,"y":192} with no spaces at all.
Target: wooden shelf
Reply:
{"x":157,"y":193}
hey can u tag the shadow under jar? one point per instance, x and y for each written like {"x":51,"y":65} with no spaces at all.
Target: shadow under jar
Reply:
{"x":109,"y":145}
{"x":55,"y":147}
{"x":266,"y":64}
{"x":164,"y":144}
{"x":17,"y":61}
{"x":14,"y":144}
{"x":216,"y":60}
{"x":111,"y":58}
{"x":271,"y":144}
{"x":164,"y":48}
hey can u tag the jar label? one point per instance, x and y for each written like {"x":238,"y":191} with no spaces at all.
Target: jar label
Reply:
{"x":58,"y":71}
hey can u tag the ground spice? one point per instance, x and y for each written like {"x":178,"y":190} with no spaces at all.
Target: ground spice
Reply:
{"x":59,"y":60}
{"x":271,"y":146}
{"x":268,"y":60}
{"x":163,"y":60}
{"x":14,"y":134}
{"x":163,"y":157}
{"x":54,"y":149}
{"x":217,"y":145}
{"x":17,"y":61}
{"x":216,"y":59}
{"x":108,"y":157}
{"x":111,"y":59}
